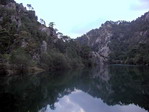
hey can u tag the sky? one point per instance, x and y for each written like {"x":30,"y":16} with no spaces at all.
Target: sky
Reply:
{"x":76,"y":17}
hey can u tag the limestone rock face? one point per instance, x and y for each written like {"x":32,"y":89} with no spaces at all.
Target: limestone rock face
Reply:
{"x":99,"y":39}
{"x":119,"y":42}
{"x":147,"y":17}
{"x":48,"y":31}
{"x":44,"y":47}
{"x":1,"y":19}
{"x":45,"y":30}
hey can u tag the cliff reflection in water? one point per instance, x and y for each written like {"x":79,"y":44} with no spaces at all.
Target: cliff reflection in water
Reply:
{"x":114,"y":85}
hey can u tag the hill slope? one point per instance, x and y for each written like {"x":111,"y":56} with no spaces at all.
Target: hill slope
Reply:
{"x":121,"y":41}
{"x":26,"y":44}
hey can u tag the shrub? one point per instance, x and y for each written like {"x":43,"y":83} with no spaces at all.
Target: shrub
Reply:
{"x":20,"y":58}
{"x":54,"y":60}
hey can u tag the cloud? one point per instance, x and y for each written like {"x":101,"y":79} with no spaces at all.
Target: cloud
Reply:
{"x":140,"y":5}
{"x":144,"y":0}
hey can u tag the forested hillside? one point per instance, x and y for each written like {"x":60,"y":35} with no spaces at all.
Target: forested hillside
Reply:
{"x":29,"y":45}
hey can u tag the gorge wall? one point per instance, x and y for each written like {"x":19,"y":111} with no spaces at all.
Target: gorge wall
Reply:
{"x":120,"y":42}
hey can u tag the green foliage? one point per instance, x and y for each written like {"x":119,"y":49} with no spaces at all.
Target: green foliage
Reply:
{"x":46,"y":61}
{"x":139,"y":55}
{"x":85,"y":55}
{"x":60,"y":61}
{"x":22,"y":36}
{"x":20,"y":57}
{"x":5,"y":58}
{"x":6,"y":40}
{"x":129,"y":43}
{"x":51,"y":24}
{"x":30,"y":6}
{"x":54,"y":60}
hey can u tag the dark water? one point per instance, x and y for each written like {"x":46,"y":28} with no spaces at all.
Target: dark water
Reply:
{"x":107,"y":89}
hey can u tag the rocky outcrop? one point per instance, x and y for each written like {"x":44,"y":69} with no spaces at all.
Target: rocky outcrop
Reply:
{"x":119,"y":42}
{"x":48,"y":31}
{"x":99,"y":40}
{"x":147,"y":17}
{"x":44,"y":47}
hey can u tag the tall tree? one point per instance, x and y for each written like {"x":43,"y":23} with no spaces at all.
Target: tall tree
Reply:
{"x":59,"y":34}
{"x":51,"y":24}
{"x":30,"y":7}
{"x":42,"y":21}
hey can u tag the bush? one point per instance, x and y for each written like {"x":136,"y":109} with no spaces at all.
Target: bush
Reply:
{"x":54,"y":60}
{"x":60,"y":61}
{"x":46,"y":61}
{"x":20,"y":58}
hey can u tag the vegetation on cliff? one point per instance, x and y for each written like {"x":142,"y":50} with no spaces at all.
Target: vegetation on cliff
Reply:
{"x":121,"y":42}
{"x":26,"y":44}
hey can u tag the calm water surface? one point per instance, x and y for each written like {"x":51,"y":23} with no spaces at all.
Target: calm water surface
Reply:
{"x":113,"y":88}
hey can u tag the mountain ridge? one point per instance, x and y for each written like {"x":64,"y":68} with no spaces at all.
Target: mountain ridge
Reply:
{"x":117,"y":41}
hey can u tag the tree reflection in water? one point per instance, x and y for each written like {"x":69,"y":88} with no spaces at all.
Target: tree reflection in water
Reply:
{"x":113,"y":85}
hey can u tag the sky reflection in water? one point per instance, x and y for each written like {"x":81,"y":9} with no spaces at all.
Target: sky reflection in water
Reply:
{"x":79,"y":101}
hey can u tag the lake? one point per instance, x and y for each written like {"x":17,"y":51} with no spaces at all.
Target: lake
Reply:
{"x":114,"y":88}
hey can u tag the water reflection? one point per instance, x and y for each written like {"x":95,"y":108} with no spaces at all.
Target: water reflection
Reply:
{"x":78,"y":101}
{"x":107,"y":89}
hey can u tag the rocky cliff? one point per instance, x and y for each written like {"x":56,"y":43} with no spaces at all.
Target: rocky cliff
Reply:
{"x":120,"y":42}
